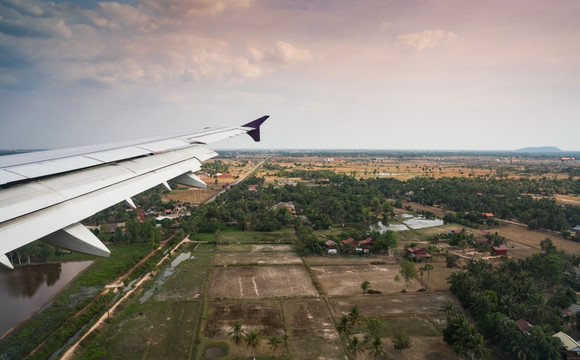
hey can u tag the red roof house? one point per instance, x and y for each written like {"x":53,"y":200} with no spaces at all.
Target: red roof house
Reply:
{"x":329,"y":244}
{"x":487,"y":216}
{"x":499,"y":250}
{"x":419,"y":252}
{"x":366,"y":242}
{"x":350,"y":241}
{"x":524,"y":325}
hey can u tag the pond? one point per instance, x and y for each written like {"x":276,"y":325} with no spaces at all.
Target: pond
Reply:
{"x":27,"y":289}
{"x":408,"y":222}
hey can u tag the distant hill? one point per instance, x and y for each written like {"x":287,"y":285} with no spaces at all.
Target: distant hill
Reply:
{"x":540,"y":149}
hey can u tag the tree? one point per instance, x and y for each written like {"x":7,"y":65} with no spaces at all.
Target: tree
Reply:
{"x":377,"y":350}
{"x":428,"y":267}
{"x":449,"y":309}
{"x":253,"y":340}
{"x":375,"y":326}
{"x":274,"y":342}
{"x":365,"y":286}
{"x":354,"y":316}
{"x":547,"y":245}
{"x":285,"y":337}
{"x":451,"y":260}
{"x":218,"y":236}
{"x":237,"y":334}
{"x":402,"y":340}
{"x":355,"y":346}
{"x":343,"y":326}
{"x":408,"y":272}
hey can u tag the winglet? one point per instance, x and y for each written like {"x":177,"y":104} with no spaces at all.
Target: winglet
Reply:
{"x":255,"y":134}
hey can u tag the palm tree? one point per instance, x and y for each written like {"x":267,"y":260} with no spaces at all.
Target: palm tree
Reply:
{"x":354,"y":346}
{"x":377,"y":349}
{"x":274,"y":342}
{"x":428,"y":267}
{"x":354,"y":316}
{"x":365,"y":286}
{"x":344,"y":327}
{"x":237,"y":334}
{"x":285,"y":337}
{"x":448,"y":309}
{"x":253,"y":340}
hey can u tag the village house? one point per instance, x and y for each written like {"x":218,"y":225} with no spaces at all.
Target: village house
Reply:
{"x":571,"y":345}
{"x":330,"y":247}
{"x":487,"y":216}
{"x":252,"y":188}
{"x":366,"y":243}
{"x":418,"y":252}
{"x":524,"y":326}
{"x":287,"y":205}
{"x":499,"y":250}
{"x":349,"y":241}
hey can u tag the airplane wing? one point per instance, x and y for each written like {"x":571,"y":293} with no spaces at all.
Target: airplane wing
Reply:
{"x":44,"y":195}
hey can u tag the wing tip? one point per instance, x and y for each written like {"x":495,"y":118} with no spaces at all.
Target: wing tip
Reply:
{"x":255,"y":134}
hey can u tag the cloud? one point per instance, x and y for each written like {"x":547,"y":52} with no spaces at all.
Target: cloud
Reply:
{"x":282,"y":52}
{"x":385,"y":25}
{"x":114,"y":15}
{"x":427,"y":39}
{"x":186,"y":8}
{"x":31,"y":19}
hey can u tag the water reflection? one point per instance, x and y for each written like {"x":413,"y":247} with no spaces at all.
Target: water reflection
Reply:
{"x":25,"y":281}
{"x":28,"y":288}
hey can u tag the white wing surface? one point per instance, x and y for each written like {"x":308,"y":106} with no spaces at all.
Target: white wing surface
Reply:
{"x":44,"y":195}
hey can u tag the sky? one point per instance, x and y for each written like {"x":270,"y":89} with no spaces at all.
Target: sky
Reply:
{"x":370,"y":74}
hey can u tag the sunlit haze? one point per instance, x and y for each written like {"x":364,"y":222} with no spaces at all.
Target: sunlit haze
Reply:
{"x":374,"y":74}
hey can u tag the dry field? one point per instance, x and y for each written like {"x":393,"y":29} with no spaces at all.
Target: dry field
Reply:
{"x":347,"y":279}
{"x":273,"y":258}
{"x":532,"y":238}
{"x":260,"y":282}
{"x":195,"y":309}
{"x":406,"y":168}
{"x":349,"y":260}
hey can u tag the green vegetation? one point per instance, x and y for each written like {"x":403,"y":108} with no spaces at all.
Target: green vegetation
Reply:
{"x":534,"y":288}
{"x":56,"y":323}
{"x":214,"y":167}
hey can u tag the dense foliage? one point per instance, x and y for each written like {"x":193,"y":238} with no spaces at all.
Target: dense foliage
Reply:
{"x":534,"y":289}
{"x":506,"y":198}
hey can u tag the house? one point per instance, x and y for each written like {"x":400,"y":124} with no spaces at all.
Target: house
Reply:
{"x":168,"y":211}
{"x":287,"y":205}
{"x":524,"y":325}
{"x":484,"y":241}
{"x":330,"y":247}
{"x":487,"y":216}
{"x":252,"y":188}
{"x":366,"y":243}
{"x":419,"y":252}
{"x":571,"y":345}
{"x":329,"y":244}
{"x":349,"y":241}
{"x":499,"y":250}
{"x":576,"y":229}
{"x":112,"y":228}
{"x":455,"y":231}
{"x":571,"y":311}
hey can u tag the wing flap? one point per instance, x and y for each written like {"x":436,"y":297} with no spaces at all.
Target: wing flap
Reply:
{"x":78,"y":238}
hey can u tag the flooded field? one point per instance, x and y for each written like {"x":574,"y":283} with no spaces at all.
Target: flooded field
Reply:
{"x":407,"y":222}
{"x":27,"y":289}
